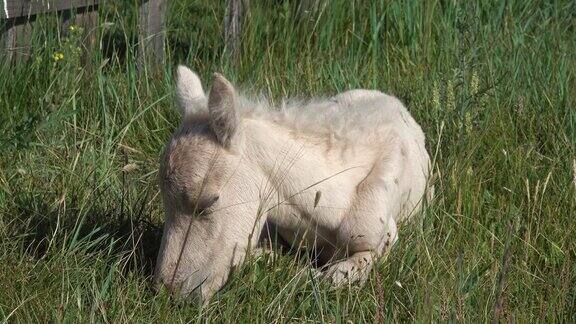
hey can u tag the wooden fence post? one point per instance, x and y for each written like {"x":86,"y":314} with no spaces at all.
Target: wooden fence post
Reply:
{"x":151,"y":23}
{"x":236,"y":12}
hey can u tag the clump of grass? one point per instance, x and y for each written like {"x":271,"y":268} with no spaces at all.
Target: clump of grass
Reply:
{"x":491,"y":83}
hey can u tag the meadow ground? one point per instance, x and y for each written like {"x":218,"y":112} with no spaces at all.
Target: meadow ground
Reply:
{"x":492,"y":83}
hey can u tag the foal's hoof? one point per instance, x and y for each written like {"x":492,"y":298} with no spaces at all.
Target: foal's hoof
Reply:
{"x":348,"y":271}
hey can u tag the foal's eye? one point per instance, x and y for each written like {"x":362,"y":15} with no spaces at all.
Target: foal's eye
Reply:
{"x":204,"y":204}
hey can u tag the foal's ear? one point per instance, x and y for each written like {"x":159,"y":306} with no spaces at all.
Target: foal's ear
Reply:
{"x":224,"y":118}
{"x":191,"y":97}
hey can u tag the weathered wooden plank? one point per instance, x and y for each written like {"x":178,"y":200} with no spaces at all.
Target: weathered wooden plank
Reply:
{"x":151,"y":28}
{"x":233,"y":24}
{"x":14,"y":43}
{"x":308,"y":9}
{"x":27,"y":8}
{"x":88,"y":20}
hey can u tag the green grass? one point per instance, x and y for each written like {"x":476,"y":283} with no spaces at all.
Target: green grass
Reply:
{"x":491,"y":83}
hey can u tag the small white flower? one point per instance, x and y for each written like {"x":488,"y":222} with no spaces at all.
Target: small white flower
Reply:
{"x":397,"y":283}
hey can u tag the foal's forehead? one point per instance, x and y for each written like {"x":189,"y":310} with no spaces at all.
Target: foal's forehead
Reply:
{"x":190,"y":146}
{"x":191,"y":136}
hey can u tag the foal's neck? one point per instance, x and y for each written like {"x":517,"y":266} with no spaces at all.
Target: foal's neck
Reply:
{"x":293,"y":159}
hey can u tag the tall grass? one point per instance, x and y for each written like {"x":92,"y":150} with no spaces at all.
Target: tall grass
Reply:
{"x":492,"y":83}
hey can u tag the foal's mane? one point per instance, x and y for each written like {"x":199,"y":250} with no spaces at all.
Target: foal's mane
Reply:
{"x":349,"y":116}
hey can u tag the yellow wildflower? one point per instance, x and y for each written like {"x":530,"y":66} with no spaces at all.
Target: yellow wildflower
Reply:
{"x":57,"y":56}
{"x":76,"y":29}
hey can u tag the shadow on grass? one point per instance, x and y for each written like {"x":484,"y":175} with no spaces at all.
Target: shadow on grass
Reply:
{"x":46,"y":231}
{"x":120,"y":50}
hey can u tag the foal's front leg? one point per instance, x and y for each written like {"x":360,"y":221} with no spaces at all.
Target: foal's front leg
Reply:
{"x":369,"y":229}
{"x":357,"y":266}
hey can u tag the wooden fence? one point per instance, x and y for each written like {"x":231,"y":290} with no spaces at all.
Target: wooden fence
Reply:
{"x":17,"y":16}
